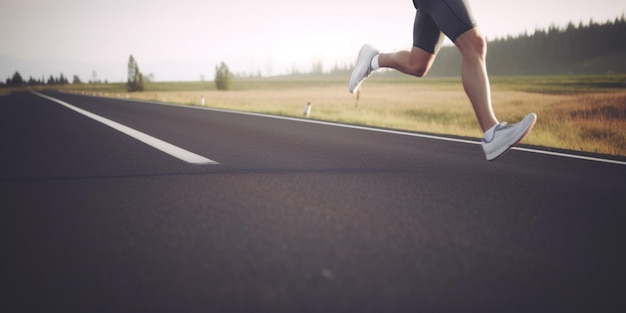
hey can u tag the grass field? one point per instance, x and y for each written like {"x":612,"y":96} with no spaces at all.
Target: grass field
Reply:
{"x":585,"y":113}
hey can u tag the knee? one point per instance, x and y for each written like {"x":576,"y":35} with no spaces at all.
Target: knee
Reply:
{"x":419,"y":70}
{"x":472,"y":45}
{"x":419,"y":62}
{"x":480,"y":46}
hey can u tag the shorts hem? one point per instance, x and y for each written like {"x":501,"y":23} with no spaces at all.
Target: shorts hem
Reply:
{"x":463,"y":31}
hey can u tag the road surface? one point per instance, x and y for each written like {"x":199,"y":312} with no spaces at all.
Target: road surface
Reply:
{"x":292,"y":216}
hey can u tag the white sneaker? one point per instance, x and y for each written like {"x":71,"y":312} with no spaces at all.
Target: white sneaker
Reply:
{"x":363,"y":67}
{"x":500,"y":138}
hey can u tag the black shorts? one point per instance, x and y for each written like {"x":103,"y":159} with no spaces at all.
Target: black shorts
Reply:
{"x":434,"y":18}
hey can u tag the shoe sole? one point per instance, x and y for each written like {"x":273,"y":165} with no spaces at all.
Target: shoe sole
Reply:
{"x":528,"y":130}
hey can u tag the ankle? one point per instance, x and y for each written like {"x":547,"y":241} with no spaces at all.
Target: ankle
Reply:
{"x":374,"y":63}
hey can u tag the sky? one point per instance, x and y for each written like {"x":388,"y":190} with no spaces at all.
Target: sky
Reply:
{"x":182,"y":40}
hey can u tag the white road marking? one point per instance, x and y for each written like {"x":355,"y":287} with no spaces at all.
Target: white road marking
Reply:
{"x":389,"y":131}
{"x":156,"y":143}
{"x":404,"y":133}
{"x":571,"y":156}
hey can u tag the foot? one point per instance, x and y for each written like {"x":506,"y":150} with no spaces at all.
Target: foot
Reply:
{"x":363,"y":67}
{"x":502,"y":137}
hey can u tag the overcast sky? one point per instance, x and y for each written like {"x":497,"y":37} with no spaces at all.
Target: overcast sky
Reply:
{"x":184,"y":39}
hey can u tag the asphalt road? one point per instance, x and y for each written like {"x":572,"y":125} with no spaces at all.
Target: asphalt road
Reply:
{"x":295,"y":217}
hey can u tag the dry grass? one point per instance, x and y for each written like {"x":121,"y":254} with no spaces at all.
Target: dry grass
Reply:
{"x":588,"y":121}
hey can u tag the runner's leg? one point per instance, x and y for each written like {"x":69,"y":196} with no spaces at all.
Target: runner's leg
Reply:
{"x":416,"y":62}
{"x":426,"y":41}
{"x":474,"y":76}
{"x":456,"y":21}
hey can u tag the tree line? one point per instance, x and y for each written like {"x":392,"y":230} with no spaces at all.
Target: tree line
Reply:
{"x":591,"y":48}
{"x":17,"y":80}
{"x":553,"y":51}
{"x":135,"y":81}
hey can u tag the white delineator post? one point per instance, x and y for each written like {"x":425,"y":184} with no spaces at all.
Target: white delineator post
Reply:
{"x":307,"y":109}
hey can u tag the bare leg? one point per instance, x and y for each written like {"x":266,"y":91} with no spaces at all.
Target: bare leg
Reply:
{"x":417,"y":62}
{"x":473,"y":49}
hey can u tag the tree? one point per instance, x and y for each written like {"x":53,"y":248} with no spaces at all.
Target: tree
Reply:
{"x":63,"y":80}
{"x":149,"y":78}
{"x":94,"y":78}
{"x":223,"y":77}
{"x":135,"y":78}
{"x":17,"y":80}
{"x":34,"y":82}
{"x":76,"y":80}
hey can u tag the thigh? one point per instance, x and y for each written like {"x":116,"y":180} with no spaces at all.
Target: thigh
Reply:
{"x":426,"y":33}
{"x":452,"y":17}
